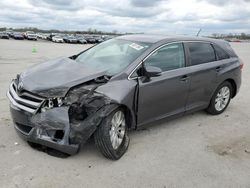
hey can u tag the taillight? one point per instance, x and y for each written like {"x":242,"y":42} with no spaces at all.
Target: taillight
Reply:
{"x":241,"y":64}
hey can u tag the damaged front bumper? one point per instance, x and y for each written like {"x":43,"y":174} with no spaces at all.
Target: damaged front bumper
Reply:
{"x":51,"y":128}
{"x":64,"y":127}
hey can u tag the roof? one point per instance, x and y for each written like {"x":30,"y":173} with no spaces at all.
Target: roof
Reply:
{"x":167,"y":38}
{"x":143,"y":38}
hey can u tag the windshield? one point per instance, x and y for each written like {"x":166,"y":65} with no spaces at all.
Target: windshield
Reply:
{"x":113,"y":55}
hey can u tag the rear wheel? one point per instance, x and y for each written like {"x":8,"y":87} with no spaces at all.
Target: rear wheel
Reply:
{"x":220,"y":99}
{"x":111,"y":137}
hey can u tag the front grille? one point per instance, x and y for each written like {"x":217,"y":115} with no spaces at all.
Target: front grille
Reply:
{"x":25,"y":101}
{"x":25,"y":129}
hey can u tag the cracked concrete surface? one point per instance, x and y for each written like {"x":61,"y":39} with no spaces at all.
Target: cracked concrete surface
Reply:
{"x":197,"y":150}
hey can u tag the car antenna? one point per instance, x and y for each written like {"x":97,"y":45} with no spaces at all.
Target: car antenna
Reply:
{"x":198,"y":32}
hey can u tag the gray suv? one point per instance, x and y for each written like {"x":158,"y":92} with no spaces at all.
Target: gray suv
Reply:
{"x":121,"y":84}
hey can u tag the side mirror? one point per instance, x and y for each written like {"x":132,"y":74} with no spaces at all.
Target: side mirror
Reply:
{"x":151,"y":71}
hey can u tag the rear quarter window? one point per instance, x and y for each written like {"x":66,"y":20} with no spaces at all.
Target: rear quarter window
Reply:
{"x":200,"y":53}
{"x":221,"y":54}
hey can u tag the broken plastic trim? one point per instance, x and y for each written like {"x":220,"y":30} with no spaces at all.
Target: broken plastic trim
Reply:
{"x":77,"y":120}
{"x":87,"y":110}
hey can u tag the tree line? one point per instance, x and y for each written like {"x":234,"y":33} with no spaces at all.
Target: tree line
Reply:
{"x":241,"y":36}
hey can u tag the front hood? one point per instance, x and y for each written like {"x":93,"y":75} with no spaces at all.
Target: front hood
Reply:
{"x":54,"y":78}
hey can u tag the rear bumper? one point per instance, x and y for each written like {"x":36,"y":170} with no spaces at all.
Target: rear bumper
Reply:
{"x":43,"y":128}
{"x":238,"y":80}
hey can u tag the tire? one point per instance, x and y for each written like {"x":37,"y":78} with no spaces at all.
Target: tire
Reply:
{"x":214,"y":107}
{"x":103,"y":136}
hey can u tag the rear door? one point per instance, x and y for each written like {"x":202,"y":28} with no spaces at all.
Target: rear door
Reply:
{"x":203,"y":80}
{"x":166,"y":94}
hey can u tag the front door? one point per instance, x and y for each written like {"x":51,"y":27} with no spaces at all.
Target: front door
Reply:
{"x":166,"y":94}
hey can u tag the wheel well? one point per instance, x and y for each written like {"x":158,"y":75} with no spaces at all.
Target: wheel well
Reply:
{"x":232,"y":82}
{"x":128,"y":115}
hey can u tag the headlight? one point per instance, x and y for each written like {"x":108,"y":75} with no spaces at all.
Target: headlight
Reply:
{"x":51,"y":103}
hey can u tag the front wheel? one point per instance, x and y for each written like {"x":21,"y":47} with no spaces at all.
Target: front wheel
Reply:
{"x":220,"y":99}
{"x":111,"y":137}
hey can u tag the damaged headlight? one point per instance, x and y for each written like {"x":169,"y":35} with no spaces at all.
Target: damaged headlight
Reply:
{"x":51,"y":103}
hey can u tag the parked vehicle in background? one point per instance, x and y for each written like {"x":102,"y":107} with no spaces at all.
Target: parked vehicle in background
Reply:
{"x":39,"y":35}
{"x":25,"y":34}
{"x":81,"y":40}
{"x":70,"y":39}
{"x":57,"y":39}
{"x":99,"y":40}
{"x":90,"y":40}
{"x":67,"y":38}
{"x":9,"y":32}
{"x":121,"y":84}
{"x":18,"y":36}
{"x":45,"y":36}
{"x":50,"y":36}
{"x":4,"y":35}
{"x":30,"y":36}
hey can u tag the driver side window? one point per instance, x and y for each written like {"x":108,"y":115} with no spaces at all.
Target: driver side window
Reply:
{"x":167,"y":58}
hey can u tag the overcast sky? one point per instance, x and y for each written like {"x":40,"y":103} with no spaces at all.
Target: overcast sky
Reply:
{"x":148,"y":16}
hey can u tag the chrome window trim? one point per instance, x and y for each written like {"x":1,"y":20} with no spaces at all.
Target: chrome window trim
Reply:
{"x":163,"y":45}
{"x":159,"y":47}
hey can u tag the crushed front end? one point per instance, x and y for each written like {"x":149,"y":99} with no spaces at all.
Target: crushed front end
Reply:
{"x":61,"y":123}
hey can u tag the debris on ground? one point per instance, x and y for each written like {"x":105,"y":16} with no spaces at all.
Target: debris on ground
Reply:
{"x":247,"y":151}
{"x":235,"y":148}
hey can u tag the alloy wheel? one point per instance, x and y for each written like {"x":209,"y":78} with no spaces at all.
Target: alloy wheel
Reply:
{"x":117,"y":130}
{"x":222,"y":98}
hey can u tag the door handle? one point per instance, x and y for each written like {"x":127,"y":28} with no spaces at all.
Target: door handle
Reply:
{"x":218,"y":69}
{"x":184,"y":78}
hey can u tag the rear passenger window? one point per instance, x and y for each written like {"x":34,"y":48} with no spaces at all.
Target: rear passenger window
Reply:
{"x":200,"y":53}
{"x":221,"y":54}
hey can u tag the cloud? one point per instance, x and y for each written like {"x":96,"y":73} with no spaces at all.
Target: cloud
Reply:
{"x":225,"y":2}
{"x":58,"y":4}
{"x":144,"y":3}
{"x":218,"y":2}
{"x":132,"y":13}
{"x":158,"y":16}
